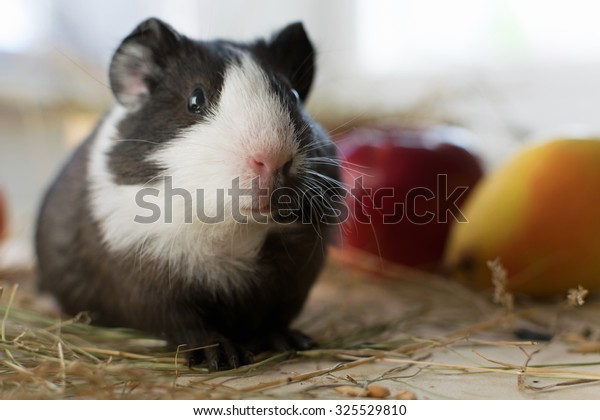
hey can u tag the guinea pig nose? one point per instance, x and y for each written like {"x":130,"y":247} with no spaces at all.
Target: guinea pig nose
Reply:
{"x":260,"y":166}
{"x":268,"y":166}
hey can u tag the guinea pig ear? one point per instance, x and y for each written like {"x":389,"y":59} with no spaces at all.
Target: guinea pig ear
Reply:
{"x":139,"y":61}
{"x":294,"y":55}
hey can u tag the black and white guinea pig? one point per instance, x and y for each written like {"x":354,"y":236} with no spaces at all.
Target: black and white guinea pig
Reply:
{"x":201,"y":205}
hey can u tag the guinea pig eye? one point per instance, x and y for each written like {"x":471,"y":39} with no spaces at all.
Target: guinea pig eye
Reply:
{"x":296,"y":95}
{"x":196,"y":101}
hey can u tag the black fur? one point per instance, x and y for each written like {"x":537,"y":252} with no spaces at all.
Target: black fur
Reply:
{"x":124,"y":289}
{"x":298,"y":64}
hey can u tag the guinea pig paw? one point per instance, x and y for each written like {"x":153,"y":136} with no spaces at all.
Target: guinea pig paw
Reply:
{"x":291,"y":340}
{"x":221,"y":354}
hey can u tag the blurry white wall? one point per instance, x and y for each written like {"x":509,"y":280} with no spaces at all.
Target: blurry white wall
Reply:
{"x":367,"y":48}
{"x":378,"y":36}
{"x":80,"y":34}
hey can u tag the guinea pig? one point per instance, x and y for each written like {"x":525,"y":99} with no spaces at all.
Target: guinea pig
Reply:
{"x":201,"y":206}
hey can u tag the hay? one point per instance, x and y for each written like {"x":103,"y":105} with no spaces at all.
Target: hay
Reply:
{"x":390,"y":328}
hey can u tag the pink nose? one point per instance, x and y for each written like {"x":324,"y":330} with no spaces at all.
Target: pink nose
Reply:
{"x":267,"y":166}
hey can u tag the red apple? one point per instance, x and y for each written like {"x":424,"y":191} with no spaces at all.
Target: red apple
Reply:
{"x":405,"y":188}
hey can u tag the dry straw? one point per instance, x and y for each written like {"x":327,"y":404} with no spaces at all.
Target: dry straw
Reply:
{"x":44,"y":356}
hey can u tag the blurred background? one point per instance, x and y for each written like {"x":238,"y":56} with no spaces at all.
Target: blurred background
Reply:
{"x":508,"y":70}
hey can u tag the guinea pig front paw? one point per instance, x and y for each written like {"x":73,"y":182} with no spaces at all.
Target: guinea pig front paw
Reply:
{"x":220,"y":353}
{"x":290,"y":340}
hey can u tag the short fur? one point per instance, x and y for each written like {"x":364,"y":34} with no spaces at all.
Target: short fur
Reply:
{"x":237,"y":285}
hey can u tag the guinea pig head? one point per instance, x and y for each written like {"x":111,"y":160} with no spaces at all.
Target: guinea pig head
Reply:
{"x":221,"y":120}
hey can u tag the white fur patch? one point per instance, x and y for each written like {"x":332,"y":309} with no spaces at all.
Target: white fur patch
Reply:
{"x":209,"y":156}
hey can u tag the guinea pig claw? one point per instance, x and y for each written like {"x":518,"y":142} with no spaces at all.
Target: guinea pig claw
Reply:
{"x":301,"y":341}
{"x":247,"y":357}
{"x":229,"y":355}
{"x":212,"y":359}
{"x":195,"y":358}
{"x":223,"y":356}
{"x":233,"y":361}
{"x":291,"y":340}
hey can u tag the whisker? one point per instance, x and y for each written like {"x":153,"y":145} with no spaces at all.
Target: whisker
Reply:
{"x":323,"y":183}
{"x":336,"y":182}
{"x":121,"y":140}
{"x":351,"y":120}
